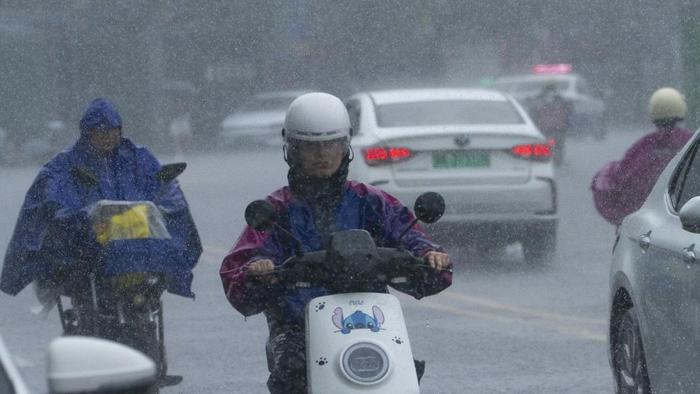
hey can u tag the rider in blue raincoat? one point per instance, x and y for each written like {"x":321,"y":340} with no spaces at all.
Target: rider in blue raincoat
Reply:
{"x":53,"y":236}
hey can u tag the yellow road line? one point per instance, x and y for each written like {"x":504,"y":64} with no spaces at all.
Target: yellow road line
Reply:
{"x":566,"y":329}
{"x":543,"y":315}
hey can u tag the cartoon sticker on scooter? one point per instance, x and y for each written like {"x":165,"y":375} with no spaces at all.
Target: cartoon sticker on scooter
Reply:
{"x":358,"y":320}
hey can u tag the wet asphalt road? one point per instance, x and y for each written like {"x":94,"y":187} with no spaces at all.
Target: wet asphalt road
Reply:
{"x":503,"y":326}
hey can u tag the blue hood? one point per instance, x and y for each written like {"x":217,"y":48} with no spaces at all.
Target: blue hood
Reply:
{"x":101,"y":114}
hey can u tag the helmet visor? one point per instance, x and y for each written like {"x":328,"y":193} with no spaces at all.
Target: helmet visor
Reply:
{"x":338,"y":145}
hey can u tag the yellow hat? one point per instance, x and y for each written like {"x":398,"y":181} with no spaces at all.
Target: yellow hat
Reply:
{"x":667,"y":103}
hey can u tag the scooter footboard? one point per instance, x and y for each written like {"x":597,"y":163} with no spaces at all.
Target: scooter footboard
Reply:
{"x":358,"y":343}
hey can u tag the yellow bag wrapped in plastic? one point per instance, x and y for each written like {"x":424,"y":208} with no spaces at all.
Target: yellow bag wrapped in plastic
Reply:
{"x":116,"y":220}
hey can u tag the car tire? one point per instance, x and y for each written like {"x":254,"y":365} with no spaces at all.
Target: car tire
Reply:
{"x":628,"y":360}
{"x":539,"y":244}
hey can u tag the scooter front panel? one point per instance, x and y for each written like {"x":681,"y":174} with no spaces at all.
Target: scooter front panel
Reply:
{"x":358,"y":343}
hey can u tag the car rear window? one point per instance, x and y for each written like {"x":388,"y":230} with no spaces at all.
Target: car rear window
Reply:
{"x":437,"y":113}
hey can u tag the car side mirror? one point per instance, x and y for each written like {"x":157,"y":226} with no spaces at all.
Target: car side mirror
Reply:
{"x":690,"y":215}
{"x":92,"y":365}
{"x":169,"y":172}
{"x":429,"y":207}
{"x":260,"y":215}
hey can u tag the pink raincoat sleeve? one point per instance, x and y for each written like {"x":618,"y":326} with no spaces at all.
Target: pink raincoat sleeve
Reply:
{"x":621,"y":187}
{"x":247,"y":297}
{"x":605,"y":194}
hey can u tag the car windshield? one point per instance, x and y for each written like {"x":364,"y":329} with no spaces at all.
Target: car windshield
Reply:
{"x":439,"y":113}
{"x":268,"y":104}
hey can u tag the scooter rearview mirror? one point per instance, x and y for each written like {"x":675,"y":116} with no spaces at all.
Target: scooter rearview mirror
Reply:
{"x":429,"y":207}
{"x":260,"y":215}
{"x":169,"y":172}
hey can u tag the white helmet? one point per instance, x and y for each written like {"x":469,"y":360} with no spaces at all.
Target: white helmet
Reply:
{"x":667,"y":103}
{"x":316,"y":117}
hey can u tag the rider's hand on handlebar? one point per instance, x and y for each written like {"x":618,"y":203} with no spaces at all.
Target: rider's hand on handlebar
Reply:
{"x":263,"y":266}
{"x":437,"y":260}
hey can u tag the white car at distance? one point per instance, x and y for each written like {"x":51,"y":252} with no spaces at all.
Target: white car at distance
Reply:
{"x":478,"y":148}
{"x":259,"y":121}
{"x":588,"y":116}
{"x":655,"y":285}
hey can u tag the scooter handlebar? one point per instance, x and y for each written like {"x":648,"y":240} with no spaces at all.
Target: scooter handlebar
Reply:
{"x":390,"y":266}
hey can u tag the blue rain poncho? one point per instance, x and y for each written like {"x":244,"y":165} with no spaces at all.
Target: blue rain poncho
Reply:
{"x":53,"y":232}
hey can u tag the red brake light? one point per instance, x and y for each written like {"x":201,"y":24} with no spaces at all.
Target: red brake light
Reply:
{"x":378,"y":155}
{"x":373,"y":155}
{"x":399,"y":153}
{"x":533,"y":151}
{"x":561,"y":68}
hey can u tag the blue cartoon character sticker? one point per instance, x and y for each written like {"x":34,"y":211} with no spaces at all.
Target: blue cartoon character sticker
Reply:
{"x":358,"y":320}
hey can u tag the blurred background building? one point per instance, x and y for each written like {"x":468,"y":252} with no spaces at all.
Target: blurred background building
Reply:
{"x":56,"y":56}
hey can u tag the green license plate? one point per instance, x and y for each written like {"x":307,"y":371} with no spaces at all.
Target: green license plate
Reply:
{"x":461,"y":159}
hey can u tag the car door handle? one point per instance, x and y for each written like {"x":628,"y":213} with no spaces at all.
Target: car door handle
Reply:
{"x":645,"y":240}
{"x":689,"y":254}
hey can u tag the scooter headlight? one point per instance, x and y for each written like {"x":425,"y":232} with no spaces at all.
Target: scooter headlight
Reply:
{"x":365,"y":362}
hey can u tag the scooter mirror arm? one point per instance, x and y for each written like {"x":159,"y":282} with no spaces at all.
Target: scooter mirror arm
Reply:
{"x":410,"y":226}
{"x":297,"y":243}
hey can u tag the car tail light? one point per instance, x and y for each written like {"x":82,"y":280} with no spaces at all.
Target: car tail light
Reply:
{"x":378,"y":155}
{"x":562,"y":68}
{"x":533,"y":151}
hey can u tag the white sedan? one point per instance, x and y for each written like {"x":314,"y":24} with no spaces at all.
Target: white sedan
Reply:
{"x":478,"y":148}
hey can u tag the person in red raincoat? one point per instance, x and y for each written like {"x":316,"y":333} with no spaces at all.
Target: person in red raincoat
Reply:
{"x":621,"y":187}
{"x":552,"y":114}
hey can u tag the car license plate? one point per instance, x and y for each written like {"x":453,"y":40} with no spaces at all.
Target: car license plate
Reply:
{"x":461,"y":159}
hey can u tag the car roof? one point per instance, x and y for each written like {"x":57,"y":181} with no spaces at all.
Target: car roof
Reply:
{"x":436,"y":94}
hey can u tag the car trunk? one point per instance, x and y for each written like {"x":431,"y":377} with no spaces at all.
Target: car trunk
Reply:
{"x":441,"y":157}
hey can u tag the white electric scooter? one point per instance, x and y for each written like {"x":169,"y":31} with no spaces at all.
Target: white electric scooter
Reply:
{"x":356,"y":338}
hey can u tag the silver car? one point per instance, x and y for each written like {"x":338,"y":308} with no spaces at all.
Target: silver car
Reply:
{"x":476,"y":147}
{"x":654,"y":338}
{"x":258,"y":121}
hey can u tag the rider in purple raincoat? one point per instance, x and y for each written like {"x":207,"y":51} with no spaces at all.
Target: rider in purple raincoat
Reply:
{"x":318,"y":201}
{"x":621,"y":187}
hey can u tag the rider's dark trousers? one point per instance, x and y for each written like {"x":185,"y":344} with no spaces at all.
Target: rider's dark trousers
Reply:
{"x":286,"y":360}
